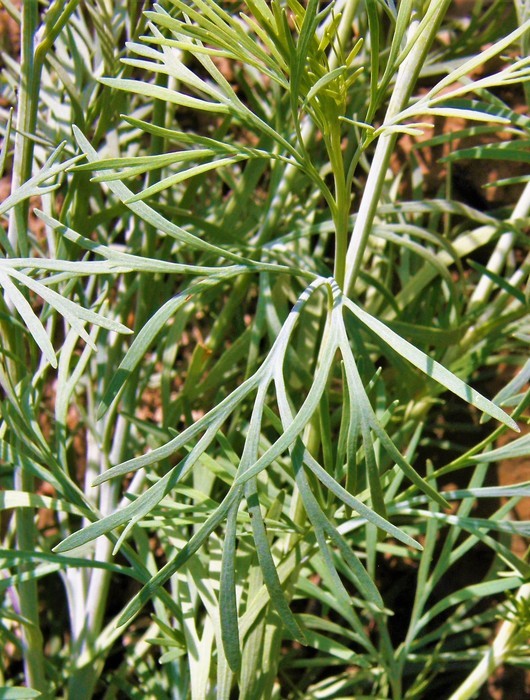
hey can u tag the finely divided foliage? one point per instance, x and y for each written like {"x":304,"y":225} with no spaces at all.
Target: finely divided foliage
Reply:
{"x":221,"y":494}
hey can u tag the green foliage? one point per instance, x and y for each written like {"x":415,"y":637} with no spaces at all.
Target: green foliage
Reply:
{"x":216,"y":504}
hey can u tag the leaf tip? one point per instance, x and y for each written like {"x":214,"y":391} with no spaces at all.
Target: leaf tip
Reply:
{"x":132,"y":200}
{"x":129,"y":613}
{"x":102,"y":409}
{"x":77,"y":132}
{"x":510,"y":423}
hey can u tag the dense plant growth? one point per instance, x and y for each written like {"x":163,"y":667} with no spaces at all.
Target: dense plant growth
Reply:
{"x":262,"y":349}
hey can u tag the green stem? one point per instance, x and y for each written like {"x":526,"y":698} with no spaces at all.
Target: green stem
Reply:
{"x":115,"y":436}
{"x":347,"y":8}
{"x":406,"y":78}
{"x":498,"y":258}
{"x":32,"y":640}
{"x":31,"y":63}
{"x":495,"y":656}
{"x":341,"y":210}
{"x":26,"y":121}
{"x":17,"y":233}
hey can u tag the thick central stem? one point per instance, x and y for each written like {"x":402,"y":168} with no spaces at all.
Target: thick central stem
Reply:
{"x":421,"y":36}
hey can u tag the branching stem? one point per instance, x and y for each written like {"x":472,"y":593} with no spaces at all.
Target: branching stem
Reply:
{"x":495,"y":656}
{"x":406,"y":79}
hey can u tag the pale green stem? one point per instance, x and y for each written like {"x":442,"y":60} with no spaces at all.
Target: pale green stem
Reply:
{"x":496,"y":655}
{"x":94,"y":602}
{"x":502,"y":249}
{"x":308,"y":128}
{"x":17,"y":233}
{"x":94,"y":599}
{"x":405,"y":80}
{"x":32,"y":59}
{"x":32,"y":640}
{"x":31,"y":62}
{"x":342,"y":210}
{"x":26,"y":120}
{"x":482,"y":292}
{"x":522,"y":8}
{"x":311,"y":433}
